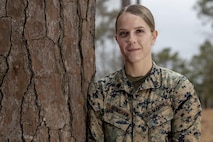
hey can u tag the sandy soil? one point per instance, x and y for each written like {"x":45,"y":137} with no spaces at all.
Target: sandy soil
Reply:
{"x":207,"y":126}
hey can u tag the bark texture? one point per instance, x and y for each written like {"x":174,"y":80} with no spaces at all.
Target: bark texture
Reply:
{"x":46,"y":63}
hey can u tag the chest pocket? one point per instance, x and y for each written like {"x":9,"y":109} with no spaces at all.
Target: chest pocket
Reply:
{"x":116,"y":126}
{"x":116,"y":117}
{"x":160,"y":118}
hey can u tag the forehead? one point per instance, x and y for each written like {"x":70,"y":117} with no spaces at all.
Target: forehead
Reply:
{"x":128,"y":20}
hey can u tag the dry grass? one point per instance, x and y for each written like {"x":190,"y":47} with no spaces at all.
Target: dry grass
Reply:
{"x":207,"y":125}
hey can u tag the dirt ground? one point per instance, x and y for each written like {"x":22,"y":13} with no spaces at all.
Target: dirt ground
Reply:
{"x":207,"y":126}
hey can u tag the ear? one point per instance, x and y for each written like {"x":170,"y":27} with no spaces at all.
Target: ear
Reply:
{"x":154,"y":36}
{"x":116,"y":37}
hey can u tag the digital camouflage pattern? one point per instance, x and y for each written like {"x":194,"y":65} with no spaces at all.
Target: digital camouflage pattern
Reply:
{"x":165,"y":108}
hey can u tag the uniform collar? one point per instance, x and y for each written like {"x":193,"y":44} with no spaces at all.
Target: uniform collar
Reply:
{"x":154,"y":80}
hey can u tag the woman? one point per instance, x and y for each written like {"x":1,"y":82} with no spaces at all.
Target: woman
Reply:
{"x":142,"y":102}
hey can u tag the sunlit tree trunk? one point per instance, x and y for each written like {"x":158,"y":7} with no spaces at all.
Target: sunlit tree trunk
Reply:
{"x":46,"y":64}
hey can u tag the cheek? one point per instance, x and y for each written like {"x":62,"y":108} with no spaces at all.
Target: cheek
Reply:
{"x":122,"y":44}
{"x":147,"y":41}
{"x":122,"y":48}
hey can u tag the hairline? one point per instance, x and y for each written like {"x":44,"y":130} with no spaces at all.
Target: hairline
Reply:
{"x":146,"y":16}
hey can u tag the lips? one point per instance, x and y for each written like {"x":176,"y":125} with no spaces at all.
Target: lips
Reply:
{"x":133,"y":49}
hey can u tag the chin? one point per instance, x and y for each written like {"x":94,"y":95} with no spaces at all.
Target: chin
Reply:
{"x":134,"y":60}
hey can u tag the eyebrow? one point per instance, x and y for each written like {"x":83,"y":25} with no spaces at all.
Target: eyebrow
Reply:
{"x":139,"y":27}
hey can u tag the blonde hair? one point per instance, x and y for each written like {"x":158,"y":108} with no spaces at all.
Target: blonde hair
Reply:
{"x":140,"y":11}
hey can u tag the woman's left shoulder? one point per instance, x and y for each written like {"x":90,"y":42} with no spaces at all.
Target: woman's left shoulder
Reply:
{"x":166,"y":72}
{"x":174,"y":77}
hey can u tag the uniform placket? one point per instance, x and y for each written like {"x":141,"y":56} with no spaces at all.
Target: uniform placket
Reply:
{"x":140,"y":130}
{"x":133,"y":107}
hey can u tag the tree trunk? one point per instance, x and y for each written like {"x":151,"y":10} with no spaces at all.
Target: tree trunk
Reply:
{"x":125,"y":3}
{"x":138,"y":2}
{"x":46,"y":64}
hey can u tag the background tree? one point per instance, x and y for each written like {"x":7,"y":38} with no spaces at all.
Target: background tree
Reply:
{"x":202,"y":63}
{"x":46,"y":64}
{"x":108,"y":58}
{"x":125,"y":3}
{"x":205,"y":10}
{"x":202,"y":73}
{"x":166,"y":58}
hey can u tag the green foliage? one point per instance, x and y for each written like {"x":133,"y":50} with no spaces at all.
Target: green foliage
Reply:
{"x":203,"y":63}
{"x":166,"y":58}
{"x":203,"y":69}
{"x":107,"y":58}
{"x":105,"y":20}
{"x":205,"y":9}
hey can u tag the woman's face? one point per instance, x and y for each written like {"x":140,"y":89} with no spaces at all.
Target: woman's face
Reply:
{"x":134,"y":37}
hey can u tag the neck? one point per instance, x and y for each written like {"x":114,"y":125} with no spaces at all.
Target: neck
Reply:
{"x":138,"y":69}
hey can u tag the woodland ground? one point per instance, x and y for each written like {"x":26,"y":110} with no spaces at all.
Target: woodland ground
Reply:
{"x":207,"y":125}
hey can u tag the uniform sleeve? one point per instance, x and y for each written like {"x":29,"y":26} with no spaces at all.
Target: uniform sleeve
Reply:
{"x":95,"y":106}
{"x":186,"y":125}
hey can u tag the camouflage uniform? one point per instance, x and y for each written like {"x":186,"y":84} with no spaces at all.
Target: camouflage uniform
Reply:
{"x":164,"y":108}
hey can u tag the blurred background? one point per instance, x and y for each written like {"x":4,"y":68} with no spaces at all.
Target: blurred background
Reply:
{"x":184,"y":44}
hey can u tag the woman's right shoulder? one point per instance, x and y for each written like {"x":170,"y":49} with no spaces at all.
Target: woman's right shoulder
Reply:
{"x":98,"y":88}
{"x":109,"y":79}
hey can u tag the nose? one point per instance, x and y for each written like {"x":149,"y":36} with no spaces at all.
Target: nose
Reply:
{"x":131,"y":38}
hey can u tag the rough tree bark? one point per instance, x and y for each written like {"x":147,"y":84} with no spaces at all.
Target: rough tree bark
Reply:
{"x":46,"y":64}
